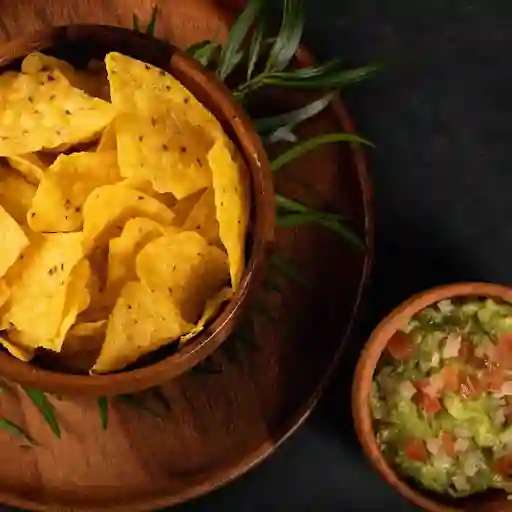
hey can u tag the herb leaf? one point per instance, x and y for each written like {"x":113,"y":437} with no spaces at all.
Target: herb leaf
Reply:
{"x":289,"y":36}
{"x":287,"y":270}
{"x":314,"y":78}
{"x":293,"y":117}
{"x":204,"y":51}
{"x":40,"y":400}
{"x":231,"y":53}
{"x":135,"y":22}
{"x":16,"y":431}
{"x":308,"y":145}
{"x":103,"y":410}
{"x":255,"y":47}
{"x":150,"y":29}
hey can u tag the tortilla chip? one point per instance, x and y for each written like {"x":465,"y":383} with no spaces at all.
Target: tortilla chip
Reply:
{"x":231,"y":190}
{"x":124,"y":249}
{"x":43,"y":111}
{"x":31,"y":166}
{"x":137,"y":86}
{"x":197,"y":213}
{"x":39,"y":288}
{"x":108,"y":140}
{"x":94,"y":84}
{"x":18,"y":351}
{"x":211,"y":308}
{"x":142,"y":321}
{"x":171,"y":155}
{"x":113,"y":205}
{"x":16,"y":195}
{"x":187,"y":266}
{"x":59,"y":200}
{"x":13,"y":241}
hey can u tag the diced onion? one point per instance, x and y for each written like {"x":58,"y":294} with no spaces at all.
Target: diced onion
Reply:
{"x":445,"y":306}
{"x":452,"y":346}
{"x":434,"y":446}
{"x":461,"y":432}
{"x":407,"y":390}
{"x":472,"y":464}
{"x":506,"y":389}
{"x":435,"y":384}
{"x":461,"y":445}
{"x":435,"y":359}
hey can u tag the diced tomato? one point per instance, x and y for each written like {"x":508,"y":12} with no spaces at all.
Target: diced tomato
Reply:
{"x":449,"y":444}
{"x":450,"y":379}
{"x":415,"y":449}
{"x":493,"y":378}
{"x":400,"y":345}
{"x":503,"y":351}
{"x":430,"y":404}
{"x":466,"y":350}
{"x":504,"y":465}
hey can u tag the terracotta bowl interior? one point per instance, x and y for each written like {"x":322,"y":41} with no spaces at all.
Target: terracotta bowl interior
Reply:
{"x":78,"y":44}
{"x":365,"y":369}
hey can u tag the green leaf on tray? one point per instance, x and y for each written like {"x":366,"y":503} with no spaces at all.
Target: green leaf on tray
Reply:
{"x":135,"y":22}
{"x":256,"y":43}
{"x":138,"y":403}
{"x":16,"y":432}
{"x":288,"y":38}
{"x":40,"y":400}
{"x":318,"y":78}
{"x":287,"y":270}
{"x":150,"y":29}
{"x":204,"y":52}
{"x":291,"y":213}
{"x":103,"y":408}
{"x":310,"y":144}
{"x":232,"y":52}
{"x":293,"y":117}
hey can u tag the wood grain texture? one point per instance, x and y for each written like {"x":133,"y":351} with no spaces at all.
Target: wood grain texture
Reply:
{"x":222,"y":424}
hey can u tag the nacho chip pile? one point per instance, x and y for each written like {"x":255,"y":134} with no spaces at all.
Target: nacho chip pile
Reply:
{"x":123,"y":212}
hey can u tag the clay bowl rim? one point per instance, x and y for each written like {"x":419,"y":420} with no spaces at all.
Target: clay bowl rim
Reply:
{"x":367,"y":364}
{"x":234,"y":119}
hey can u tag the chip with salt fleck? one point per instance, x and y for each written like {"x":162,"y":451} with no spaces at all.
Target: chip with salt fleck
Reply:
{"x":93,"y":83}
{"x":39,"y":287}
{"x":44,"y":111}
{"x":137,"y":86}
{"x":112,"y":205}
{"x":30,"y":165}
{"x":170,"y":154}
{"x":68,"y":182}
{"x":231,"y":191}
{"x":124,"y":249}
{"x":16,"y":194}
{"x":197,"y":213}
{"x":77,"y":299}
{"x":142,"y":321}
{"x":184,"y":264}
{"x":12,"y":240}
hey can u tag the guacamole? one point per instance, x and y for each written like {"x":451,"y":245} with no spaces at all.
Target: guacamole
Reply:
{"x":442,"y":397}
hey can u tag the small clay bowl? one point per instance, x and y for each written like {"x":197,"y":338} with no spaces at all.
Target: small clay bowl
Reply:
{"x":361,"y":390}
{"x":78,"y":44}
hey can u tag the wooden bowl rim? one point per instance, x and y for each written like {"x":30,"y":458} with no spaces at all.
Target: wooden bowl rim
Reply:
{"x":260,"y":177}
{"x":367,"y":363}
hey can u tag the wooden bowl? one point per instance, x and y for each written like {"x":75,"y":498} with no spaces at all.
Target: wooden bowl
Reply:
{"x":361,"y":390}
{"x":78,"y":44}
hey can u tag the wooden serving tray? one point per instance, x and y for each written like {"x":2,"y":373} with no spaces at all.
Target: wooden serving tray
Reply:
{"x":219,"y":424}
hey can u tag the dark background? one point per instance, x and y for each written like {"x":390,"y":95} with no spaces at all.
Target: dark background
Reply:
{"x":439,"y":115}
